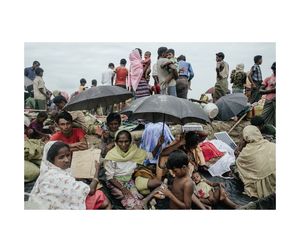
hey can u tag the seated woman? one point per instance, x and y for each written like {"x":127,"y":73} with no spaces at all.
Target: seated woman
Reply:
{"x":55,"y":188}
{"x":120,"y":164}
{"x":151,"y":134}
{"x":256,"y":164}
{"x":189,"y":143}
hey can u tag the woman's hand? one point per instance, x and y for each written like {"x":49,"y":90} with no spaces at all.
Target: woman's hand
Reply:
{"x":97,"y":167}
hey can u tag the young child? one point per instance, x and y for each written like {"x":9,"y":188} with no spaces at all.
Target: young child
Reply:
{"x":211,"y":193}
{"x":171,"y":66}
{"x":147,"y":63}
{"x":171,"y":57}
{"x":82,"y":85}
{"x":182,"y":189}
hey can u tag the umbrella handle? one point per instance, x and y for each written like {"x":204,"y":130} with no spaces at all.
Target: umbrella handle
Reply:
{"x":163,"y":129}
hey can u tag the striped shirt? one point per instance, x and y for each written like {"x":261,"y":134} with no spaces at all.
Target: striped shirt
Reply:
{"x":256,"y":73}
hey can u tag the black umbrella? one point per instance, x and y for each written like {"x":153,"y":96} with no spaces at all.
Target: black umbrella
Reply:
{"x":98,"y":96}
{"x":231,"y":105}
{"x":161,"y":108}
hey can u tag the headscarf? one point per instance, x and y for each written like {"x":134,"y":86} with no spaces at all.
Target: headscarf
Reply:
{"x":256,"y":164}
{"x":56,"y":93}
{"x":55,"y":188}
{"x":62,"y":93}
{"x":151,"y":135}
{"x":240,"y":67}
{"x":135,"y":70}
{"x":134,"y":153}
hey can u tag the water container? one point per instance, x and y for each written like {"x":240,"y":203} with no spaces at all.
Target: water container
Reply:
{"x":211,"y":110}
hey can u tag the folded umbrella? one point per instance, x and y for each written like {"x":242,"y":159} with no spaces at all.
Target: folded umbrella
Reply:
{"x":98,"y":96}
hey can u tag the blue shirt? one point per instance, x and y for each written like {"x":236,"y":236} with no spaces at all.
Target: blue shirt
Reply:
{"x":185,"y":69}
{"x":30,"y":73}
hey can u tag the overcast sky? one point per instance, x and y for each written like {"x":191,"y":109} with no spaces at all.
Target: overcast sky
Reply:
{"x":65,"y":64}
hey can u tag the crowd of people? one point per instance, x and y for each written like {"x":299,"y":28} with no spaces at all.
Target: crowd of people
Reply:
{"x":250,"y":83}
{"x":162,"y":170}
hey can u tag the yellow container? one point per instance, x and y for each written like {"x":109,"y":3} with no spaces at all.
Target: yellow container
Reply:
{"x":255,"y":111}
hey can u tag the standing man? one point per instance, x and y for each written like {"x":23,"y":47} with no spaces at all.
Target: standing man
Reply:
{"x":238,"y":79}
{"x":167,"y":87}
{"x":222,"y":69}
{"x":39,"y":90}
{"x":121,"y":79}
{"x":186,"y":74}
{"x":269,"y":89}
{"x":108,"y":75}
{"x":121,"y":74}
{"x":156,"y":87}
{"x":29,"y":72}
{"x":108,"y":79}
{"x":255,"y":77}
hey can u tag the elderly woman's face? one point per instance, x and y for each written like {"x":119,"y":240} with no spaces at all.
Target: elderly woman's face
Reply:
{"x":123,"y":142}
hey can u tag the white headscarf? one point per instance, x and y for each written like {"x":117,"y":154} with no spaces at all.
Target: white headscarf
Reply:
{"x":55,"y":188}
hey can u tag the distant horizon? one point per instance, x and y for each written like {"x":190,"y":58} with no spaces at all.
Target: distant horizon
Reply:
{"x":65,"y":64}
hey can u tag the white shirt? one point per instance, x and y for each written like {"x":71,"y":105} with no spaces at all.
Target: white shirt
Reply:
{"x":37,"y":84}
{"x":107,"y":77}
{"x":154,"y":69}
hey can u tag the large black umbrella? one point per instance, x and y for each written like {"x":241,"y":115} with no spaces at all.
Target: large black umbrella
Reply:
{"x":161,"y":108}
{"x":98,"y":96}
{"x":231,"y":105}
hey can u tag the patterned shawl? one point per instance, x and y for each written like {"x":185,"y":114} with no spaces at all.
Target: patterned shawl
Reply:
{"x":55,"y":188}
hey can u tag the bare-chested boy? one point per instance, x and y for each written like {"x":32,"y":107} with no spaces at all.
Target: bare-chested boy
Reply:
{"x":182,"y":189}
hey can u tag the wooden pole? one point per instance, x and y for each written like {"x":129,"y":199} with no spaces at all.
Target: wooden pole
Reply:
{"x":236,"y":124}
